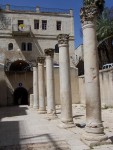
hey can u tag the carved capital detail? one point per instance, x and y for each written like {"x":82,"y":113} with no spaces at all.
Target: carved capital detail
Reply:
{"x":49,"y":52}
{"x":91,"y":9}
{"x":34,"y":63}
{"x":63,"y":38}
{"x":88,"y":13}
{"x":41,"y":60}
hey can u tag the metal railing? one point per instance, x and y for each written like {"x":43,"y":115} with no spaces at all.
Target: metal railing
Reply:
{"x":34,"y":9}
{"x":22,"y":8}
{"x":24,"y":28}
{"x":54,"y":10}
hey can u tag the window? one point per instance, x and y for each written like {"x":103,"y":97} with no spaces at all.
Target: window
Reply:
{"x":20,"y":22}
{"x":26,"y":46}
{"x":23,"y":46}
{"x":10,"y":46}
{"x":36,"y":24}
{"x":56,"y":48}
{"x":44,"y":24}
{"x":58,"y":25}
{"x":29,"y":46}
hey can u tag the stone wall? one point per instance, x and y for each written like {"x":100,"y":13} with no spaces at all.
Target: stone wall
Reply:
{"x":10,"y":81}
{"x":38,"y":46}
{"x":74,"y":85}
{"x":3,"y":87}
{"x":40,"y":39}
{"x":106,"y":87}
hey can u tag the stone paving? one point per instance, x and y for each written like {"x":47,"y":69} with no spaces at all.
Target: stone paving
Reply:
{"x":22,"y":128}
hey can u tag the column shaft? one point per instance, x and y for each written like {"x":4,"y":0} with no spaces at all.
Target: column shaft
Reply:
{"x":35,"y":87}
{"x":65,"y":87}
{"x":94,"y":134}
{"x":94,"y":127}
{"x":31,"y":100}
{"x":65,"y":84}
{"x":41,"y":84}
{"x":50,"y":85}
{"x":93,"y":103}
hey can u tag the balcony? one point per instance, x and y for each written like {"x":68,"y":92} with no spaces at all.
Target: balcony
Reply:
{"x":21,"y":29}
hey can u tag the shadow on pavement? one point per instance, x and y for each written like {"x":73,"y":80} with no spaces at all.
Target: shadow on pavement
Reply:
{"x":111,"y":138}
{"x":12,"y":111}
{"x":13,"y":133}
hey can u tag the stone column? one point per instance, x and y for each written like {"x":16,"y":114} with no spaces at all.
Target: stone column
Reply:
{"x":41,"y":83}
{"x":50,"y":82}
{"x":35,"y":87}
{"x":94,"y":133}
{"x":65,"y":84}
{"x":31,"y":100}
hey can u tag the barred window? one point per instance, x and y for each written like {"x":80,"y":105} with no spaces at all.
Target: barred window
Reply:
{"x":58,"y":25}
{"x":10,"y":46}
{"x":29,"y":46}
{"x":44,"y":24}
{"x":23,"y":46}
{"x":36,"y":24}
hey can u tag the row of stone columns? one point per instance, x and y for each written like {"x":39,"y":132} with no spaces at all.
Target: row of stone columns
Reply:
{"x":94,"y":129}
{"x":65,"y":87}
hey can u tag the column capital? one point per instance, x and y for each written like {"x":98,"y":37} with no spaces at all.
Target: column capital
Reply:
{"x":63,"y":38}
{"x":41,"y":60}
{"x":34,"y":63}
{"x":91,"y":9}
{"x":88,"y":13}
{"x":49,"y":52}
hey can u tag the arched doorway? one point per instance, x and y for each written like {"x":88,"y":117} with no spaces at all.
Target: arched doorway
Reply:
{"x":20,"y":96}
{"x":17,"y":66}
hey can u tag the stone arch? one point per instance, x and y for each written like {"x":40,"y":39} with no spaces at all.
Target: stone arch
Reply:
{"x":18,"y":66}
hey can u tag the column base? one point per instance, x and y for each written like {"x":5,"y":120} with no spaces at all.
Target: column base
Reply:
{"x":66,"y":125}
{"x":30,"y":107}
{"x":35,"y":107}
{"x":51,"y":116}
{"x":42,"y":111}
{"x":92,"y":139}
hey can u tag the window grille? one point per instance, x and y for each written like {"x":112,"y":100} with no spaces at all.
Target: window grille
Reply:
{"x":10,"y":46}
{"x":44,"y":24}
{"x":36,"y":24}
{"x":23,"y":46}
{"x":58,"y":25}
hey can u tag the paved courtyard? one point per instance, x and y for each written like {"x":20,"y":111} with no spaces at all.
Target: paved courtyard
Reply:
{"x":22,"y":128}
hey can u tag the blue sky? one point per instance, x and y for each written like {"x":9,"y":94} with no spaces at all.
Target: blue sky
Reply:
{"x":63,"y":4}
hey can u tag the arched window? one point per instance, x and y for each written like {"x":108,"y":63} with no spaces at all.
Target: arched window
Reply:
{"x":29,"y":46}
{"x":10,"y":46}
{"x":23,"y":46}
{"x":56,"y":48}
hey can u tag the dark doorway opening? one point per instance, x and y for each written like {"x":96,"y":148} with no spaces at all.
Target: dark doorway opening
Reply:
{"x":20,"y":96}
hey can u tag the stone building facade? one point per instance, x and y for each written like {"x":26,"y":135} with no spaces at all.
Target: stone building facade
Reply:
{"x":24,"y":34}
